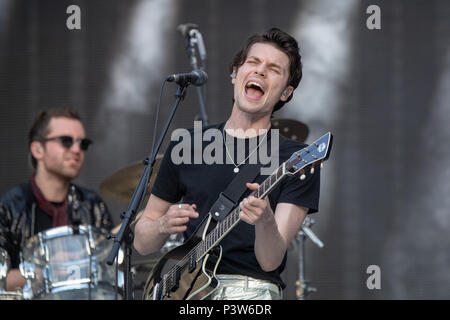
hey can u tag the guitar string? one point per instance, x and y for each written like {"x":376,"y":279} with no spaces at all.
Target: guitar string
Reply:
{"x":190,"y":255}
{"x":183,"y":262}
{"x":178,"y":267}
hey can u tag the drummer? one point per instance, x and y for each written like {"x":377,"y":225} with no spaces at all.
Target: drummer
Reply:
{"x":57,"y":143}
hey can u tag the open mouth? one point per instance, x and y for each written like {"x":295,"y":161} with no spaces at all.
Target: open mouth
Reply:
{"x":254,"y":90}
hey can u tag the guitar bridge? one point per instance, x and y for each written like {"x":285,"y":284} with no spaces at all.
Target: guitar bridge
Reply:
{"x":176,"y":280}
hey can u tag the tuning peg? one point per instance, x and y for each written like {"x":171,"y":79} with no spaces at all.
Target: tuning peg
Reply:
{"x":321,"y":165}
{"x":303,"y":176}
{"x":312,"y":170}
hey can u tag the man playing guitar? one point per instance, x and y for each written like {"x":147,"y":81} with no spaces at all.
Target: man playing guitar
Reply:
{"x":264,"y":75}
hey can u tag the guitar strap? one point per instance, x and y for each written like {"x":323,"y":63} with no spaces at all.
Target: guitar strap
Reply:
{"x":229,"y":198}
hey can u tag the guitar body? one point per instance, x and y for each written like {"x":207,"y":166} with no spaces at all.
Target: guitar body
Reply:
{"x":194,"y":282}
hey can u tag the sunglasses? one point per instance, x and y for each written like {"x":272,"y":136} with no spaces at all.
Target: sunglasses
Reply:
{"x":67,"y":142}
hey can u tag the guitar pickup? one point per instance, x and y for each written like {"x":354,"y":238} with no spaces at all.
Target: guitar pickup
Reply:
{"x":192,"y":263}
{"x":174,"y":282}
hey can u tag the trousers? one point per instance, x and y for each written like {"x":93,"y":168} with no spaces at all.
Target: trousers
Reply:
{"x":239,"y":287}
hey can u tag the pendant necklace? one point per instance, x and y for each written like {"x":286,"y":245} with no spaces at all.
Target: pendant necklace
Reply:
{"x":236,"y":166}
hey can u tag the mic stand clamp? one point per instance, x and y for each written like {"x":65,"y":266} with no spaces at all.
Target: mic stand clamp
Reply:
{"x":125,"y":233}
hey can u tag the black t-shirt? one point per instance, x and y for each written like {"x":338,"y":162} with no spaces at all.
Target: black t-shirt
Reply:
{"x":202,"y":183}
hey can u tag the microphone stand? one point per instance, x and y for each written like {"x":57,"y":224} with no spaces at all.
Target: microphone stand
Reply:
{"x":125,"y":233}
{"x":200,"y":89}
{"x":303,"y":286}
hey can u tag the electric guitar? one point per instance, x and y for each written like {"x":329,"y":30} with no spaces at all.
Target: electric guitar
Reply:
{"x":181,"y":274}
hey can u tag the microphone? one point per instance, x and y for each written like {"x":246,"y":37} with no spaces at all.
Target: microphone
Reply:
{"x":191,"y":30}
{"x":196,"y":77}
{"x":185,"y":28}
{"x":201,"y":45}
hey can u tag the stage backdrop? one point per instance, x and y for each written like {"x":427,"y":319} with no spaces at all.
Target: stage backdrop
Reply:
{"x":376,"y":74}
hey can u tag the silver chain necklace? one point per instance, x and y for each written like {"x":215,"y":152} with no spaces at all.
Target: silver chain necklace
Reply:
{"x":236,"y":166}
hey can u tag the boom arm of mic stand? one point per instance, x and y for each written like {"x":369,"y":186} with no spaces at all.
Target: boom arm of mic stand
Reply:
{"x":141,"y":189}
{"x":202,"y":105}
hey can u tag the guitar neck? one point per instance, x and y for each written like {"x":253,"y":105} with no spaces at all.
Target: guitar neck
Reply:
{"x":225,"y":226}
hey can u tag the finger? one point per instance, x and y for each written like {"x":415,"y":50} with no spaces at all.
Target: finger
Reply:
{"x":247,"y":209}
{"x":182,"y":213}
{"x":187,"y":213}
{"x":177,"y":229}
{"x":245,"y":215}
{"x":252,"y":186}
{"x":184,"y":210}
{"x":185,"y":206}
{"x":179,"y":221}
{"x":253,"y":203}
{"x":174,"y":225}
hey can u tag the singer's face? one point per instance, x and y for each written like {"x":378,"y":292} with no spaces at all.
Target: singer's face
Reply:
{"x":261,"y":80}
{"x":58,"y":160}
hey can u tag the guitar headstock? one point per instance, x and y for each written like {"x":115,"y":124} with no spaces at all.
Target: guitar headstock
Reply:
{"x":317,"y":152}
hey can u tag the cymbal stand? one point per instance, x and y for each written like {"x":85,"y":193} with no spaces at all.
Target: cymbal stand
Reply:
{"x":303,"y":288}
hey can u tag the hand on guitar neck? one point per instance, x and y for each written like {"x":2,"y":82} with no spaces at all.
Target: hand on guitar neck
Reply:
{"x":253,"y":209}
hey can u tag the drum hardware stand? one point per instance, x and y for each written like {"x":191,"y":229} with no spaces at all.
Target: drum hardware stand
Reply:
{"x":303,"y":288}
{"x":27,"y":271}
{"x":125,"y":233}
{"x":75,"y":219}
{"x":75,"y":216}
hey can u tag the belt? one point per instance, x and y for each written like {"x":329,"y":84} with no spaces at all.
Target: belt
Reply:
{"x":246,"y":282}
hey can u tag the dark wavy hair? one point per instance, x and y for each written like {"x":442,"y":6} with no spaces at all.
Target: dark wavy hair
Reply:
{"x":284,"y":42}
{"x":39,"y":129}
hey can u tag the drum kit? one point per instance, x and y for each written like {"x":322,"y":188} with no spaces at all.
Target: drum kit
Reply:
{"x":64,"y":263}
{"x":69,"y":262}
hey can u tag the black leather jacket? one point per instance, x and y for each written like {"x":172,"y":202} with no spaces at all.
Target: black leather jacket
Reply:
{"x":18,"y":213}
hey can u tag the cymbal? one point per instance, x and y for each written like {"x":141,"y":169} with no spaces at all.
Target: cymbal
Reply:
{"x":291,"y":129}
{"x":121,"y":184}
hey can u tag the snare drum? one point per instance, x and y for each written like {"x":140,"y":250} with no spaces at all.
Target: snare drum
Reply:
{"x":69,"y":263}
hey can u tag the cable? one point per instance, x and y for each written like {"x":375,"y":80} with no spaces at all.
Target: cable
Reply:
{"x":158,"y":107}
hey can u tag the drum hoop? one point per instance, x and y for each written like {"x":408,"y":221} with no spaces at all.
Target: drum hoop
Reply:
{"x":58,"y":232}
{"x":61,"y":232}
{"x":11,"y":295}
{"x":65,"y":286}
